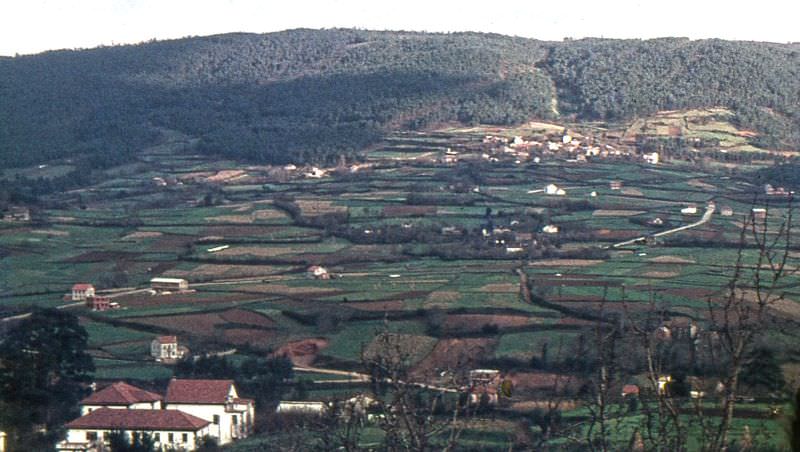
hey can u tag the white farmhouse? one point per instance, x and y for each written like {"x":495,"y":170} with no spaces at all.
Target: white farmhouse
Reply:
{"x":170,"y":429}
{"x":552,"y":189}
{"x":550,"y":229}
{"x":651,"y":158}
{"x":82,"y":291}
{"x":165,"y":347}
{"x":216,"y":401}
{"x":122,"y":396}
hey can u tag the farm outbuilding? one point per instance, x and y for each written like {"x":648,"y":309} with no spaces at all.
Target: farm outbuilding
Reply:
{"x":169,"y":284}
{"x":318,"y":272}
{"x":297,"y":407}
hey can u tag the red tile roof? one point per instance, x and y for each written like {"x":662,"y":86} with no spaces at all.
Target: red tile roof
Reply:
{"x":111,"y":419}
{"x":82,"y":286}
{"x":120,"y":393}
{"x":198,"y":391}
{"x":630,"y":390}
{"x":167,"y":339}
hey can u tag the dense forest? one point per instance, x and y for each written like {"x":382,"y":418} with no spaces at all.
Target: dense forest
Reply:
{"x":313,"y":95}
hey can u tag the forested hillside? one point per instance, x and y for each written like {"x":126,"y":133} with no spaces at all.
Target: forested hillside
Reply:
{"x":306,"y":95}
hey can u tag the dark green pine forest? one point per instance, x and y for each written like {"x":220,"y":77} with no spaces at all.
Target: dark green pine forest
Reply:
{"x":313,"y":95}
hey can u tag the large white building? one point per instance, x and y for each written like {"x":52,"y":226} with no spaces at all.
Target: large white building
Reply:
{"x":169,"y":284}
{"x":216,"y":401}
{"x":170,"y":429}
{"x":195,"y":409}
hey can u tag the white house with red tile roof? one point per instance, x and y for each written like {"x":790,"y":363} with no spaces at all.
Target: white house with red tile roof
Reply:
{"x":216,"y":401}
{"x":82,"y":291}
{"x":170,"y":429}
{"x":165,"y":347}
{"x":121,"y":395}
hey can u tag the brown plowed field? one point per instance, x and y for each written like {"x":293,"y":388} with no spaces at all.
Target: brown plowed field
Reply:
{"x":144,"y":300}
{"x":391,"y":305}
{"x":207,"y":324}
{"x":254,"y":337}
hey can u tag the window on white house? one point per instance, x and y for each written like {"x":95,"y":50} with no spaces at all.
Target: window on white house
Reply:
{"x":216,"y":419}
{"x":185,"y":437}
{"x":157,"y":437}
{"x":91,"y":436}
{"x":171,"y":437}
{"x":235,"y":419}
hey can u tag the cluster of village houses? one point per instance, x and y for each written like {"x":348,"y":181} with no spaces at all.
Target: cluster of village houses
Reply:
{"x":521,"y":150}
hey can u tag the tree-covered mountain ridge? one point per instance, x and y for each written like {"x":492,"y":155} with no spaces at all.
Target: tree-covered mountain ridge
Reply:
{"x":313,"y":95}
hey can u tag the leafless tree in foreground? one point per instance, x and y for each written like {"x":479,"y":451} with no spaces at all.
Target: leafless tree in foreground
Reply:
{"x":414,"y":416}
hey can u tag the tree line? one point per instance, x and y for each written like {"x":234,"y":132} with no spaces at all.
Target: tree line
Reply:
{"x":311,"y":96}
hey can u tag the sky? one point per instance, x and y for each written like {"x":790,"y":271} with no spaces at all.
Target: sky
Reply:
{"x":32,"y":26}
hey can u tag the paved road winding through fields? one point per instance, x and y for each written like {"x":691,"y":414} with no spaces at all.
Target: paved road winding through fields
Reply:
{"x":705,"y":219}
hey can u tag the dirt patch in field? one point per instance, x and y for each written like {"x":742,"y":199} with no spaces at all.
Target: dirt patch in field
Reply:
{"x":245,"y":317}
{"x":500,"y":288}
{"x":149,"y":301}
{"x":225,"y":176}
{"x":281,"y":289}
{"x":196,"y":324}
{"x":616,"y":213}
{"x":170,"y":242}
{"x":392,"y":305}
{"x":302,"y":352}
{"x":408,"y":211}
{"x":442,"y":298}
{"x":268,"y":215}
{"x":102,"y":256}
{"x":565,"y":263}
{"x":224,"y":271}
{"x":53,"y":232}
{"x":700,"y":184}
{"x":572,"y":321}
{"x":244,"y":219}
{"x":261,"y":251}
{"x":455,"y":354}
{"x":138,"y":235}
{"x":212,"y":324}
{"x":314,"y":207}
{"x":254,"y":337}
{"x":672,"y":260}
{"x":660,"y":274}
{"x":630,"y":191}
